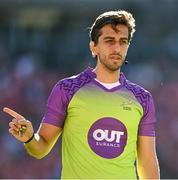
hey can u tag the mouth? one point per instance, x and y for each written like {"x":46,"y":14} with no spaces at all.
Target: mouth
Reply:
{"x":115,"y":57}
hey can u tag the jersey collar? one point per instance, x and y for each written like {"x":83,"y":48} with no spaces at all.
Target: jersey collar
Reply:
{"x":92,"y":75}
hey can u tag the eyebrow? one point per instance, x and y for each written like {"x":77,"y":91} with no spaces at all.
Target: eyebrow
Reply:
{"x":109,"y":37}
{"x":125,"y":38}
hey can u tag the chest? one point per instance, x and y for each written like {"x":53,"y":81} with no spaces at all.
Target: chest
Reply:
{"x":90,"y":105}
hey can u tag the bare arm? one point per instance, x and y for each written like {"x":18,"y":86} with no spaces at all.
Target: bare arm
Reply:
{"x":43,"y":141}
{"x":147,"y":163}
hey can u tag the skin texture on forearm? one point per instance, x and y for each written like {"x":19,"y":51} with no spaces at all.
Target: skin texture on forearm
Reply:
{"x":149,"y":170}
{"x":37,"y":147}
{"x":43,"y":140}
{"x":147,"y":162}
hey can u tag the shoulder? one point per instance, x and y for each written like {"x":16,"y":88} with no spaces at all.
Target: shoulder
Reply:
{"x":74,"y":82}
{"x":137,"y":89}
{"x":142,"y":95}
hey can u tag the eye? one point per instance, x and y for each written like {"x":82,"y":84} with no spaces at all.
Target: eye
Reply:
{"x":109,"y":41}
{"x":124,"y":41}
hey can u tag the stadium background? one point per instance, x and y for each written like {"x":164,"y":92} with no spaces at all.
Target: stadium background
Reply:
{"x":42,"y":41}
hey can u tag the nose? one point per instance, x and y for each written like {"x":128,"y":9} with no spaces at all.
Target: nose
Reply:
{"x":117,"y":47}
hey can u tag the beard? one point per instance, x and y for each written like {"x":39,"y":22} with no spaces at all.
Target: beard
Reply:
{"x":110,"y":64}
{"x":112,"y":67}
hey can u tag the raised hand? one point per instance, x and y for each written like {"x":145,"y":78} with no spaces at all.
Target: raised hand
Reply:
{"x":20,"y":128}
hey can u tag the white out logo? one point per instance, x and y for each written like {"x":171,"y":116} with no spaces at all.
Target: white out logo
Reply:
{"x":107,"y":137}
{"x":100,"y":135}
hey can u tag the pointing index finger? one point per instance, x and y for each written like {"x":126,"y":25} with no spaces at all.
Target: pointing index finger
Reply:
{"x":13,"y":113}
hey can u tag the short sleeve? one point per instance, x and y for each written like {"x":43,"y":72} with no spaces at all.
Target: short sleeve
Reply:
{"x":56,"y":107}
{"x":147,"y":123}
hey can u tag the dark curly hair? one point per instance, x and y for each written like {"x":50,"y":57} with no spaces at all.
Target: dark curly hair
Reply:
{"x":114,"y":18}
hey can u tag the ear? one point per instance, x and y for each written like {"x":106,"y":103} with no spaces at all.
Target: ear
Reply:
{"x":93,"y":49}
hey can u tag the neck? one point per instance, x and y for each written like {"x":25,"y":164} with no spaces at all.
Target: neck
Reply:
{"x":106,"y":76}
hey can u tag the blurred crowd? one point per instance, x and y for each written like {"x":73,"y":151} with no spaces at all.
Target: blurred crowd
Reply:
{"x":34,"y":56}
{"x":25,"y":88}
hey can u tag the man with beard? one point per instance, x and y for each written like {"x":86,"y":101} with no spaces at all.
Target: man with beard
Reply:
{"x":107,"y":122}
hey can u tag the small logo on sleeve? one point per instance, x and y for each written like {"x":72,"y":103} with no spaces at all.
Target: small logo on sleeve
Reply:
{"x":107,"y":137}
